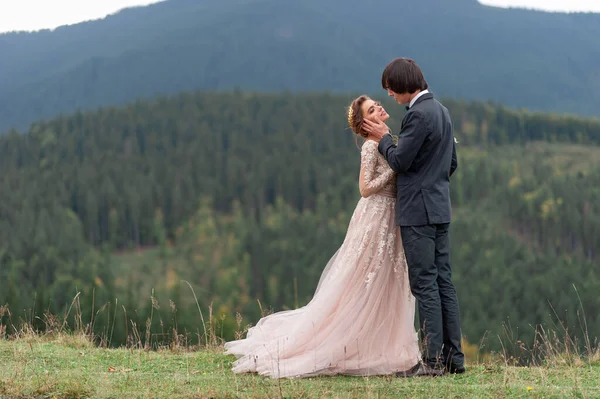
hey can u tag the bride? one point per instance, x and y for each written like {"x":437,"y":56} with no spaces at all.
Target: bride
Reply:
{"x":361,"y":318}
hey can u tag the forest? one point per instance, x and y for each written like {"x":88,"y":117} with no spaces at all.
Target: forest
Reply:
{"x":246,"y":196}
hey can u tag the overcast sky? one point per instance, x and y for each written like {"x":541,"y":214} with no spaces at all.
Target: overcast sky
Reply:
{"x":49,"y":14}
{"x":548,"y":5}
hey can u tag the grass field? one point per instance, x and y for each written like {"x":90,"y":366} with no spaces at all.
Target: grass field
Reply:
{"x":69,"y":366}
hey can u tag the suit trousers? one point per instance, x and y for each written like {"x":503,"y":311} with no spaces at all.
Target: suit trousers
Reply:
{"x":427,"y":250}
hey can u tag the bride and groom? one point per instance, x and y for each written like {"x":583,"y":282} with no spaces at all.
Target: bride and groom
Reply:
{"x":360,"y":320}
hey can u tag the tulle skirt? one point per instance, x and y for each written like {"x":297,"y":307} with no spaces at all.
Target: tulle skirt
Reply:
{"x":360,"y":320}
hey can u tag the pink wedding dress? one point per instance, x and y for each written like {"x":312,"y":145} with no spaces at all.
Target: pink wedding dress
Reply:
{"x":361,"y":318}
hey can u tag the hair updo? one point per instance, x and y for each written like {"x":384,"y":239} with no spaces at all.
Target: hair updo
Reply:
{"x":355,"y":117}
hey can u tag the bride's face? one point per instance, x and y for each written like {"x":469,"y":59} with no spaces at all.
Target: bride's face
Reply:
{"x":372,"y":110}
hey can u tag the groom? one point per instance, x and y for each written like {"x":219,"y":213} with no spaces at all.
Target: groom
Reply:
{"x":424,"y":158}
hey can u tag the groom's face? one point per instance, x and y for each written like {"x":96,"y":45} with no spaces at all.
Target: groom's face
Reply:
{"x":400,"y":98}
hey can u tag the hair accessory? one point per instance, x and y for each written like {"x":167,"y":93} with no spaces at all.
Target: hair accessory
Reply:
{"x":350,"y":116}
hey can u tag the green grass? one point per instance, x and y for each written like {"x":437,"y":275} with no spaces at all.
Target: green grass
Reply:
{"x":70,"y":367}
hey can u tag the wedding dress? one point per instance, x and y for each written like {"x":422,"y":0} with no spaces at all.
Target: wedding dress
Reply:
{"x":361,"y":318}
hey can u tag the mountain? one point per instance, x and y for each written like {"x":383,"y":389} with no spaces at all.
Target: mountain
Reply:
{"x":521,"y":58}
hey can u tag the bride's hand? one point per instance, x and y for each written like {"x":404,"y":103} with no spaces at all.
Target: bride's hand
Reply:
{"x":375,"y":128}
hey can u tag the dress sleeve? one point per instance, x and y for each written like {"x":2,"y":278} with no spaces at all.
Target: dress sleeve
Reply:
{"x":370,"y":182}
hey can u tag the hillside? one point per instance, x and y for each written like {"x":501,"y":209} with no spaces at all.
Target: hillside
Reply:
{"x":67,"y":367}
{"x":542,"y":61}
{"x":246,"y":196}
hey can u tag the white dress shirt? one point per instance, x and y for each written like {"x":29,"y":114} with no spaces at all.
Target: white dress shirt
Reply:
{"x":417,"y":96}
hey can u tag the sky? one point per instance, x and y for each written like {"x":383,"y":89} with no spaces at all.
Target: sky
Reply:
{"x":549,"y":5}
{"x":49,"y":14}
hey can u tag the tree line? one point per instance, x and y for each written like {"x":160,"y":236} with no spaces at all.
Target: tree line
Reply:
{"x":246,"y":196}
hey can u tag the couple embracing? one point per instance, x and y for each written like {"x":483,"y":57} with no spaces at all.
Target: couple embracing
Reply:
{"x":360,"y":320}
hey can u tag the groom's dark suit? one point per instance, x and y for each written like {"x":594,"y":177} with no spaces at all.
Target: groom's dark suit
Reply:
{"x":425,"y":158}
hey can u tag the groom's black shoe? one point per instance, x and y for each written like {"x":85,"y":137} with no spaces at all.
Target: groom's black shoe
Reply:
{"x":422,"y":370}
{"x":452,"y":369}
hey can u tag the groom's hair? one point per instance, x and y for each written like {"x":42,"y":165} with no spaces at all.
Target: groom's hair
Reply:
{"x":403,"y":75}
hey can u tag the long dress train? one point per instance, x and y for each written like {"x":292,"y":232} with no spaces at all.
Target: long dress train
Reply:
{"x":361,"y":319}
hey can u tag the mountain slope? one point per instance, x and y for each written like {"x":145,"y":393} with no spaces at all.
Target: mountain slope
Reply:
{"x":521,"y":58}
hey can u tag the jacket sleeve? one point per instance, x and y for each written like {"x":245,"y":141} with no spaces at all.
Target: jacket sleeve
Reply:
{"x":454,"y":162}
{"x":411,"y":138}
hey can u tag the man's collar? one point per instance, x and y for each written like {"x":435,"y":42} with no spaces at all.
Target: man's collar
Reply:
{"x":414,"y":100}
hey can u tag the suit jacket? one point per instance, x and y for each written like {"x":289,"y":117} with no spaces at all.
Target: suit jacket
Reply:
{"x":424,"y":158}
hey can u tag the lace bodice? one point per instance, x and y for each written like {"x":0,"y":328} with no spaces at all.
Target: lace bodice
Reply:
{"x":376,"y":177}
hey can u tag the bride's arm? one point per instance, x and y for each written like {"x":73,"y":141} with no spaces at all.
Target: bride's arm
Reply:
{"x":369,"y":182}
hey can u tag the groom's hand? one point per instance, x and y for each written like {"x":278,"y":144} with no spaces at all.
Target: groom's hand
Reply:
{"x":376,"y":128}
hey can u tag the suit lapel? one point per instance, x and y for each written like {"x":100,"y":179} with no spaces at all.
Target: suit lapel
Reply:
{"x":424,"y":97}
